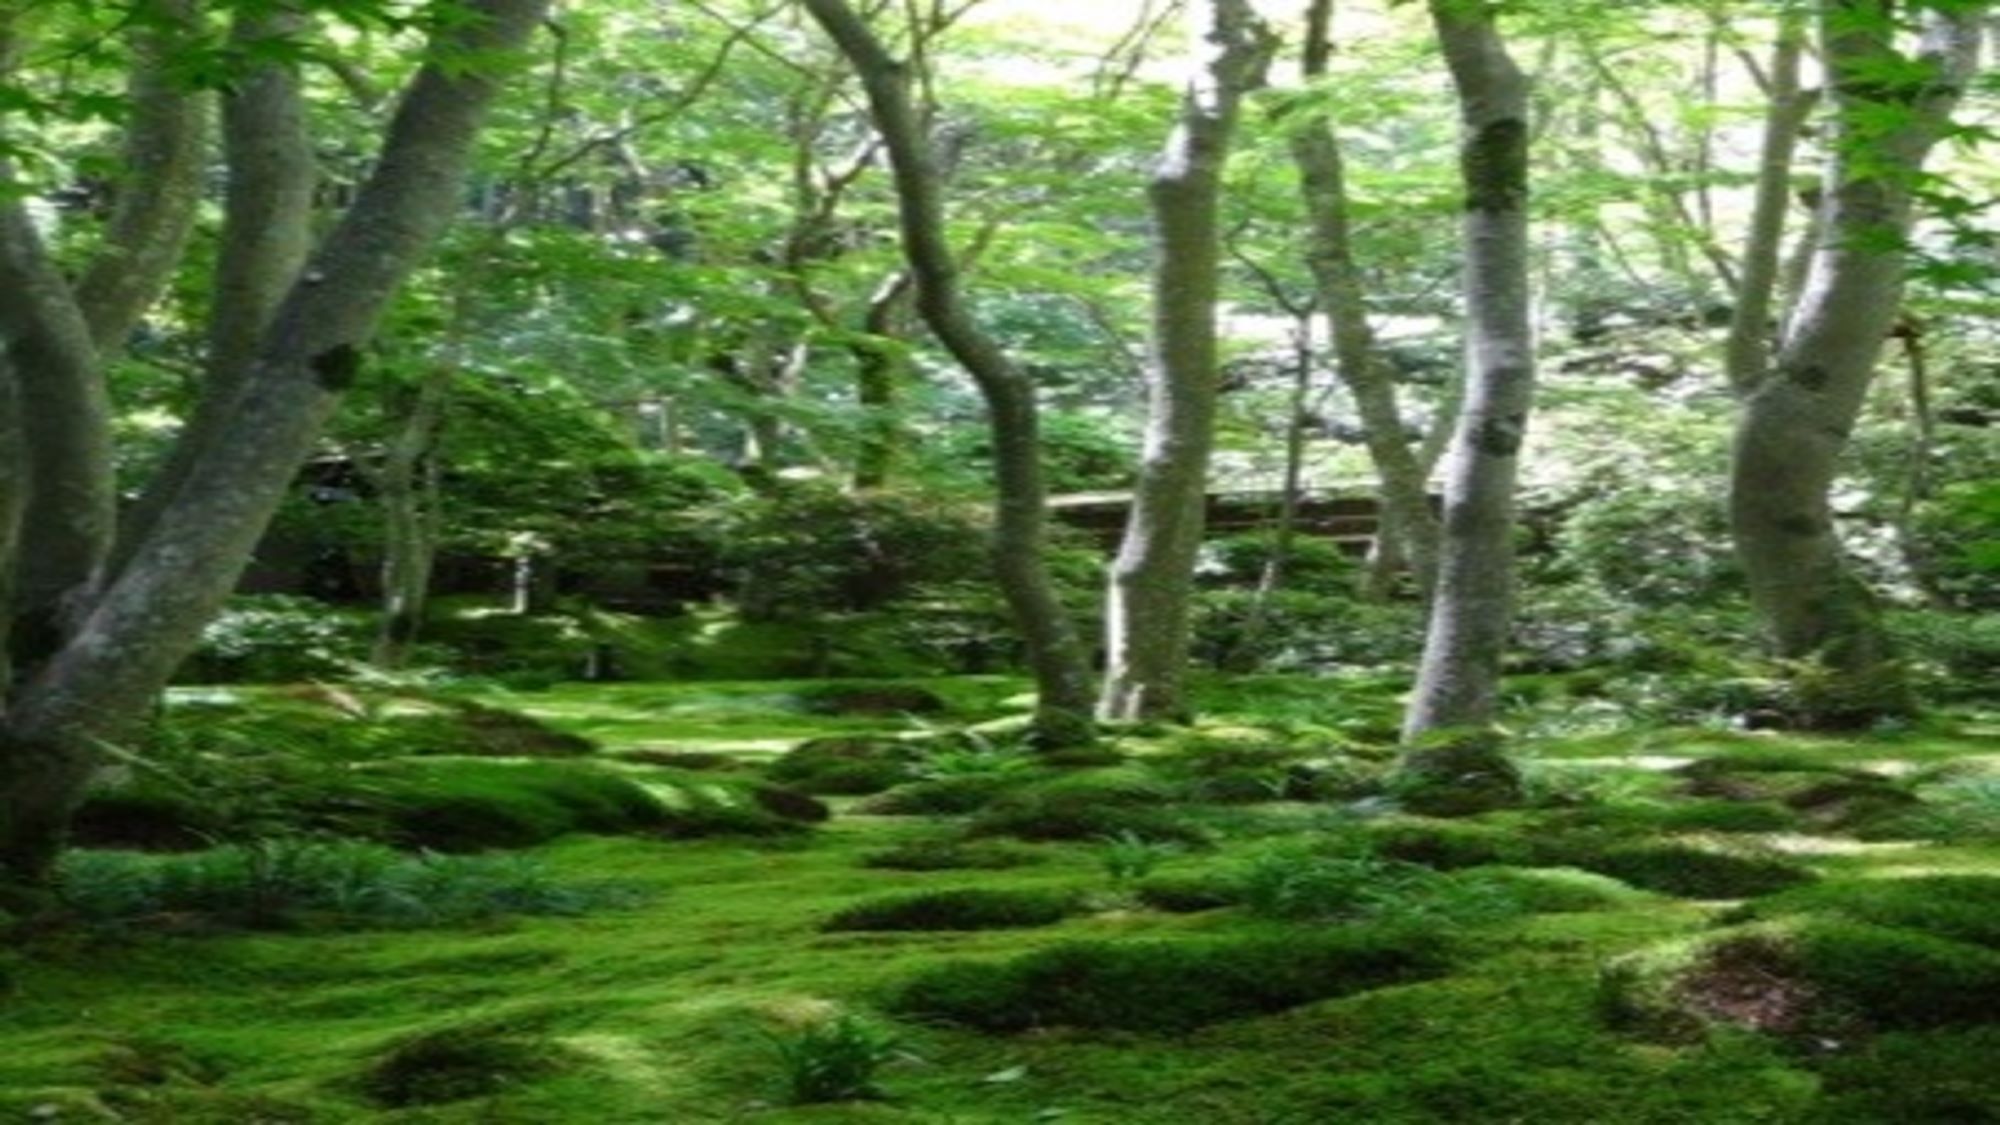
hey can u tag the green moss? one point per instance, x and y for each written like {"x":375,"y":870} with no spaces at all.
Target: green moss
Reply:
{"x":1445,"y":844}
{"x":847,"y":765}
{"x":966,"y":908}
{"x":950,"y":855}
{"x":1190,"y":893}
{"x":458,"y":1063}
{"x":940,"y":796}
{"x":1960,"y":907}
{"x":469,"y":805}
{"x":1695,"y":870}
{"x":1162,"y":986}
{"x":1913,"y":1078}
{"x":1553,"y":890}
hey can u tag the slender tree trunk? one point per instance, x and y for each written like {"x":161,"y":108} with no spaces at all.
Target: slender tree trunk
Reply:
{"x":1055,"y":653}
{"x":266,"y":237}
{"x":1457,"y":684}
{"x":1285,"y":533}
{"x":407,"y":488}
{"x":1152,"y":579}
{"x":105,"y":678}
{"x":1795,"y":424}
{"x":1407,"y":521}
{"x":1748,"y":351}
{"x":881,"y":367}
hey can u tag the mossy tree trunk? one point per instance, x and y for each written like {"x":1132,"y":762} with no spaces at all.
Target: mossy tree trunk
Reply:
{"x":1056,"y":653}
{"x":1889,"y":110}
{"x":1458,"y":681}
{"x":132,"y":631}
{"x":1152,"y":578}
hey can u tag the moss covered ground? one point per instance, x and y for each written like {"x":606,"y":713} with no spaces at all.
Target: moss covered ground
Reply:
{"x":1474,"y":970}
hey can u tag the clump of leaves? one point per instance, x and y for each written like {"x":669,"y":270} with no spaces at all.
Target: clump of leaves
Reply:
{"x":1308,"y":884}
{"x":1129,"y":857}
{"x":834,"y":1059}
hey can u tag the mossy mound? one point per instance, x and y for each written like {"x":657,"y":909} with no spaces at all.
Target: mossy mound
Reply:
{"x":1456,"y":773}
{"x":703,"y":804}
{"x":1445,"y":844}
{"x":1167,"y":986}
{"x":1824,"y":797}
{"x":1805,"y":977}
{"x":941,"y":796}
{"x":459,"y":1063}
{"x":1692,"y":815}
{"x":458,"y":805}
{"x":1089,"y":806}
{"x":873,"y":699}
{"x":1697,"y":869}
{"x":1914,"y":1078}
{"x":950,"y":855}
{"x":1959,"y":907}
{"x":1190,"y":893}
{"x":975,"y":908}
{"x":847,"y":765}
{"x":461,"y":727}
{"x":1552,"y":890}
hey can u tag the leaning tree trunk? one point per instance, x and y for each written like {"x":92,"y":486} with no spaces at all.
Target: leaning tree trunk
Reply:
{"x":1889,"y":111}
{"x":106,"y":676}
{"x":1403,"y":480}
{"x":1458,"y":681}
{"x":1055,"y":652}
{"x":1152,"y":579}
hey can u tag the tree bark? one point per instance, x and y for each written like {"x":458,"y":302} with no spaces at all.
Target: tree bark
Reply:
{"x":107,"y":675}
{"x":1458,"y":681}
{"x":1795,"y":423}
{"x":1055,"y":653}
{"x":1748,"y":351}
{"x":881,"y":367}
{"x":1146,"y":620}
{"x":407,"y":489}
{"x":1404,"y":482}
{"x":266,"y":238}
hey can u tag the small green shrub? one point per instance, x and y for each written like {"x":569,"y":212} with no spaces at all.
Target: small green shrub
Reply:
{"x":458,"y":1063}
{"x":950,"y":855}
{"x":1168,"y":986}
{"x":971,"y":908}
{"x":275,"y":638}
{"x":848,"y":766}
{"x":1313,"y":884}
{"x":1690,"y":870}
{"x":286,"y":883}
{"x":833,"y":1060}
{"x":1961,"y":811}
{"x":1128,"y":856}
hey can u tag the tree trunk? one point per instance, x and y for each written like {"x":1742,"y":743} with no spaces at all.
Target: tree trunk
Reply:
{"x":1458,"y":681}
{"x":1285,"y":534}
{"x":1146,"y":620}
{"x":1407,"y":522}
{"x":113,"y":667}
{"x":881,"y":367}
{"x":1796,"y":422}
{"x":1055,"y":653}
{"x":411,"y":520}
{"x":1748,"y":350}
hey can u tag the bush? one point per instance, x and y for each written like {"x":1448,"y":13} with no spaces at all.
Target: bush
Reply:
{"x":1692,"y":870}
{"x":275,"y":638}
{"x":950,"y":855}
{"x":960,"y":909}
{"x":1308,"y":884}
{"x":833,"y":1060}
{"x":282,"y":883}
{"x":846,"y":765}
{"x":1162,"y":986}
{"x":457,"y":1063}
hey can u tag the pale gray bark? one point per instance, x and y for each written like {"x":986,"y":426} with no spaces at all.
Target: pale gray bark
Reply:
{"x":1146,"y":618}
{"x":408,"y":490}
{"x":1408,"y":525}
{"x":1796,"y":423}
{"x":107,"y":675}
{"x":1458,"y":681}
{"x":266,"y":238}
{"x":1748,"y":351}
{"x":159,"y":189}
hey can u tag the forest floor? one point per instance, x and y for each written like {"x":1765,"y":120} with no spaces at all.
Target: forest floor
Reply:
{"x":1539,"y":991}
